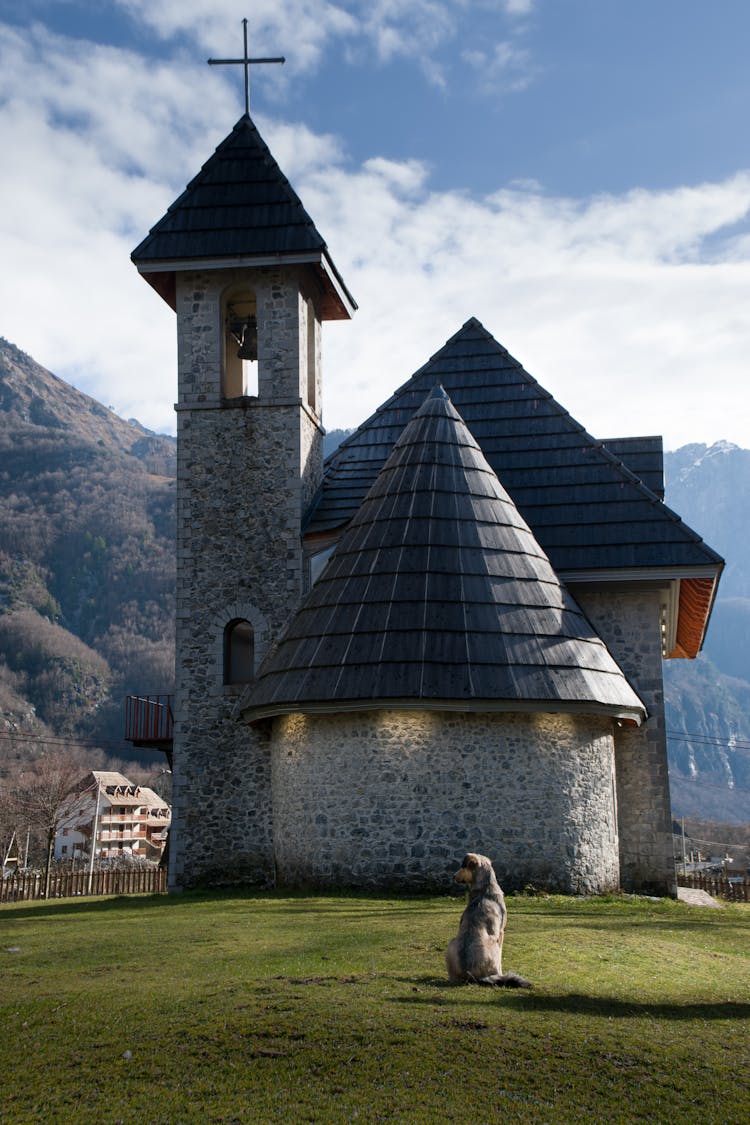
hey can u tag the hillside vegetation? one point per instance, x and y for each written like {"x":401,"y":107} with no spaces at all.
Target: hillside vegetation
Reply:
{"x":86,"y":559}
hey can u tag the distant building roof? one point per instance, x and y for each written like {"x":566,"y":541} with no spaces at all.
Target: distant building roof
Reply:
{"x":108,"y":777}
{"x":438,"y":595}
{"x":239,"y":209}
{"x":583,"y":499}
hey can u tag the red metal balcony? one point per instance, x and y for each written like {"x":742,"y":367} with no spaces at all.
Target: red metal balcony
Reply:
{"x":149,"y":721}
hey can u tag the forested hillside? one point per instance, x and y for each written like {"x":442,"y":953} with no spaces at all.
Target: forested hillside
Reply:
{"x":86,"y":560}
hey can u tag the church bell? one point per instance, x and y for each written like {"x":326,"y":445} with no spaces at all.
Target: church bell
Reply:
{"x":243,"y":329}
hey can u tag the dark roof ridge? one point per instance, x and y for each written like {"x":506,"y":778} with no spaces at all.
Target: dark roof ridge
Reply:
{"x":473,"y":328}
{"x":462,"y":333}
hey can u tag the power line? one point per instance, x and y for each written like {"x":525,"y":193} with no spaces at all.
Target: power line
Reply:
{"x":700,"y":840}
{"x":61,"y":740}
{"x":708,"y":784}
{"x":730,"y":742}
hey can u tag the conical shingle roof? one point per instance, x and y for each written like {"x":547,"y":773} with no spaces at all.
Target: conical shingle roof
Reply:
{"x":439,"y":596}
{"x":240,"y":208}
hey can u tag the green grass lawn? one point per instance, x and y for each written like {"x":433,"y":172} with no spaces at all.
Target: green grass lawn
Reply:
{"x":269,"y":1007}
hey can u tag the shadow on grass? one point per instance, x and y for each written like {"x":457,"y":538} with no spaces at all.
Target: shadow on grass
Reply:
{"x":280,"y":901}
{"x":575,"y":1003}
{"x":59,"y":907}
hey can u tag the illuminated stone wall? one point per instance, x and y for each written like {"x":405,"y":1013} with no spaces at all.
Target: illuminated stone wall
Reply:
{"x":383,"y":798}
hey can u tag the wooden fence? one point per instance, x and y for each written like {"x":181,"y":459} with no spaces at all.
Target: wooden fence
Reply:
{"x":717,"y":885}
{"x":72,"y":884}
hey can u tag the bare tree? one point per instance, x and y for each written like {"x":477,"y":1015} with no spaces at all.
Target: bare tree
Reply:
{"x":40,"y":798}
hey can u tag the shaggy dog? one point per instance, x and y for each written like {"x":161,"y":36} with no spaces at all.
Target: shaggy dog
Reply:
{"x":476,"y":953}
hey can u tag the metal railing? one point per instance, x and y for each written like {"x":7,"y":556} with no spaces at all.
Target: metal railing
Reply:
{"x":149,"y":720}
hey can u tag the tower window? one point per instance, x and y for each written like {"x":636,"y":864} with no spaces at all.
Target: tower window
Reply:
{"x":239,"y":652}
{"x":240,"y":346}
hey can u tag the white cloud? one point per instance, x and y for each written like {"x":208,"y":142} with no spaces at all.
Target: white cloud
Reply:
{"x":630,"y":309}
{"x":302,"y":30}
{"x":505,"y":68}
{"x":607,"y":301}
{"x":297,"y":29}
{"x":519,"y":7}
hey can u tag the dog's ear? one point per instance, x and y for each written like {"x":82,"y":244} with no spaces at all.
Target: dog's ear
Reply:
{"x":470,"y":861}
{"x":481,"y":874}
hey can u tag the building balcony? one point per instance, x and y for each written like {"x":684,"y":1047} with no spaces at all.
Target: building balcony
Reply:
{"x":149,"y":721}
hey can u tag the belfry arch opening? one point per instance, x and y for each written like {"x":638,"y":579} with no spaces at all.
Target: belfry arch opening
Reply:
{"x":239,"y":652}
{"x":240,"y":360}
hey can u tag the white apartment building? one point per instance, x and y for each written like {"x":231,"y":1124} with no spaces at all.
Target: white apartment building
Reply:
{"x":122,"y":818}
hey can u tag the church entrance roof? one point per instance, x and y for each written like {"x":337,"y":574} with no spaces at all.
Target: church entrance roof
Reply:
{"x":439,"y":596}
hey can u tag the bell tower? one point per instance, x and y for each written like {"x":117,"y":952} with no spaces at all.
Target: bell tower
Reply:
{"x":251,"y":281}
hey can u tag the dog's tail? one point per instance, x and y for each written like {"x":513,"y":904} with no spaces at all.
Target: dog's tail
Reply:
{"x":504,"y":980}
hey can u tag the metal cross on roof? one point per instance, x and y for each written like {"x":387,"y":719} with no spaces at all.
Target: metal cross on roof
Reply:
{"x":247,"y":63}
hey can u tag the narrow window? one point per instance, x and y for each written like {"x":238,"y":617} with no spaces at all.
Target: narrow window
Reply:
{"x":312,"y":367}
{"x":239,"y":652}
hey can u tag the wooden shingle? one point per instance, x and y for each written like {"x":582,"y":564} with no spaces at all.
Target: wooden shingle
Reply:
{"x":438,"y":595}
{"x":239,"y":208}
{"x":585,"y":504}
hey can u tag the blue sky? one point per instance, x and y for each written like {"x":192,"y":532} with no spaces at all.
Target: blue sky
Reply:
{"x":576,"y":173}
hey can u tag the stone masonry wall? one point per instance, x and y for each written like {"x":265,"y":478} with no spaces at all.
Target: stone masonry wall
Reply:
{"x":382,"y":798}
{"x":241,"y":489}
{"x":628,"y":621}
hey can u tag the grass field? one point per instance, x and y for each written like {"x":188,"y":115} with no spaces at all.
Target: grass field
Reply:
{"x":269,"y":1007}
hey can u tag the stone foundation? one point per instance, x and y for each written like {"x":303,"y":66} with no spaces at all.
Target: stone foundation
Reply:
{"x":383,"y":799}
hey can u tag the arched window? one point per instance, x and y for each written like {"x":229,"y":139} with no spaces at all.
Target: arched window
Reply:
{"x":240,"y":375}
{"x":239,"y":652}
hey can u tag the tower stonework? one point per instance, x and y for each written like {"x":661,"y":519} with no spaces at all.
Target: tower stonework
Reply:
{"x":250,"y":279}
{"x":248,"y":467}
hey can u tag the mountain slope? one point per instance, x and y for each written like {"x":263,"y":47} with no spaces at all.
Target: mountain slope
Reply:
{"x":86,"y":554}
{"x":708,"y":700}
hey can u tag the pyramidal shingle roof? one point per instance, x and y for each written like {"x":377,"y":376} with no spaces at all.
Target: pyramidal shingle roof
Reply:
{"x":438,"y":595}
{"x":240,"y":206}
{"x":586,"y":508}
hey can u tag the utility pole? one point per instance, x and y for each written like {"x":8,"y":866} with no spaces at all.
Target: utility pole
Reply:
{"x":684,"y":861}
{"x":93,"y":835}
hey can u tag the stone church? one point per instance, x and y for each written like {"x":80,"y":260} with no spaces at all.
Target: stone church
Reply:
{"x":446,"y":637}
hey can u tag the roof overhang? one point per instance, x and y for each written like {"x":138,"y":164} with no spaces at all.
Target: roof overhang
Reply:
{"x":337,"y":303}
{"x":686,"y":611}
{"x":633,"y":716}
